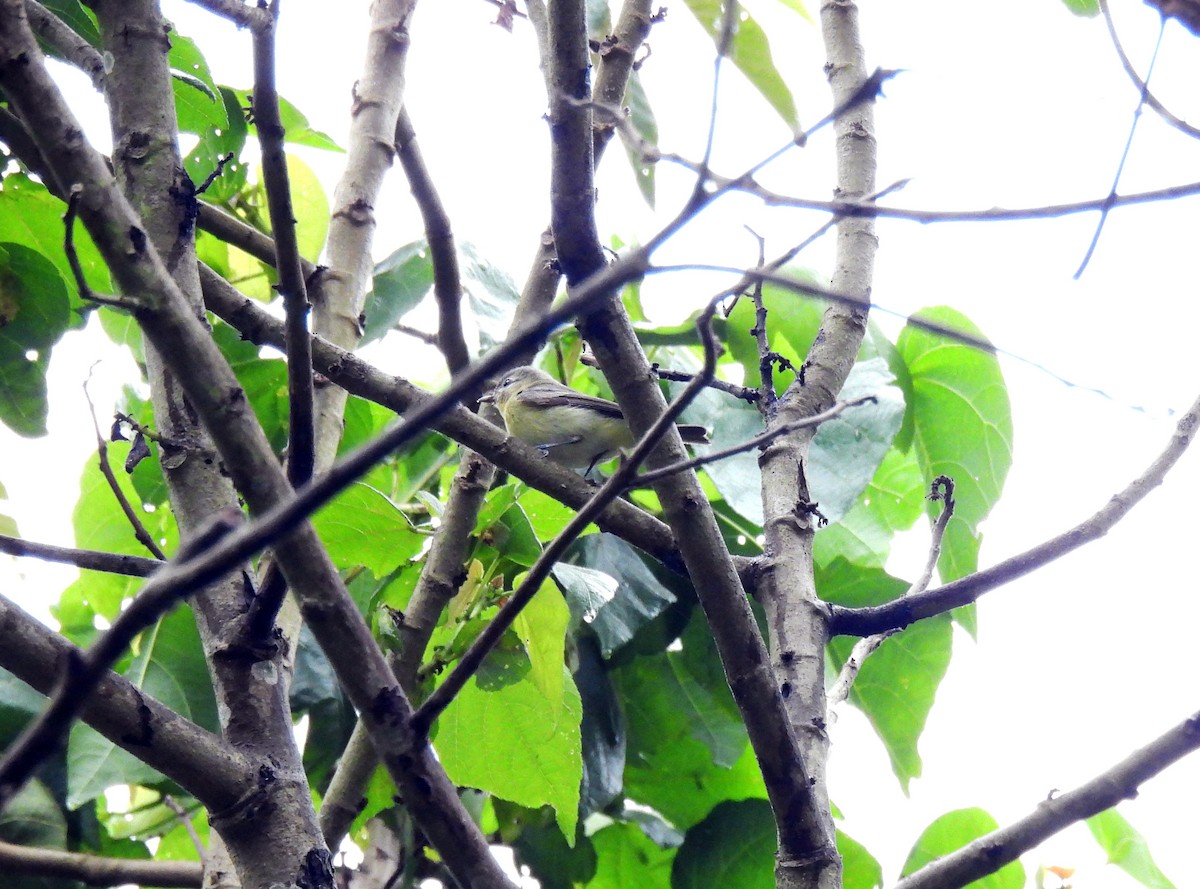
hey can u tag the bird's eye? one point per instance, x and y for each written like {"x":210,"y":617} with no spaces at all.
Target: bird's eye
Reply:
{"x":506,"y":381}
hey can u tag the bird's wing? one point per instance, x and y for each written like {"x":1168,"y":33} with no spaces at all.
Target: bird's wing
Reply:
{"x":538,"y":396}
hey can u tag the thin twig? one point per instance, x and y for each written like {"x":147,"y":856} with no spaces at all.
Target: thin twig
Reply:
{"x":1182,"y":125}
{"x":93,"y":560}
{"x":185,"y":819}
{"x":474,"y":656}
{"x":902,"y":612}
{"x":1112,"y":193}
{"x":990,"y":852}
{"x":82,"y":672}
{"x":758,"y":441}
{"x":85,"y":292}
{"x":135,"y":521}
{"x":942,"y":489}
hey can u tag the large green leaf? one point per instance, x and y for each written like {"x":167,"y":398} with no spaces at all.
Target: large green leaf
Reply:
{"x":751,"y":52}
{"x":33,"y":818}
{"x":951,"y":832}
{"x":363,"y":527}
{"x":1127,"y":849}
{"x":491,"y":294}
{"x":31,"y":216}
{"x":641,"y":118}
{"x":860,"y":869}
{"x":682,"y":694}
{"x":896,"y":686}
{"x":844,"y":455}
{"x":542,"y":628}
{"x":962,"y":427}
{"x":614,"y":609}
{"x":532,"y":752}
{"x":734,"y":846}
{"x":34,"y":314}
{"x":401,"y":281}
{"x":679,"y":779}
{"x":626,"y":857}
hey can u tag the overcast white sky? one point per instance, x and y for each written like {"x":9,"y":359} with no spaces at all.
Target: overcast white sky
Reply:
{"x":1015,"y":104}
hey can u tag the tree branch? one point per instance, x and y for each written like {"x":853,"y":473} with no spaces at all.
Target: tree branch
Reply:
{"x":301,"y":446}
{"x":989,"y":853}
{"x":254,"y":17}
{"x":221,"y":777}
{"x":113,"y":563}
{"x":447,"y":286}
{"x":81,"y":674}
{"x":50,"y":28}
{"x":95,"y":870}
{"x":902,"y":612}
{"x":941,"y":489}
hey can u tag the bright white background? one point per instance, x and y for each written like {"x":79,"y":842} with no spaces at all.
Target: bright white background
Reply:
{"x":1016,"y":104}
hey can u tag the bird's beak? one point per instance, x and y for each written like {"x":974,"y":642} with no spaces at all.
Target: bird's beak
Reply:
{"x":487,"y":399}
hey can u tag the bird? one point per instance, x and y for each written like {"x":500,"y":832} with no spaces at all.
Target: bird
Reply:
{"x":569,"y":427}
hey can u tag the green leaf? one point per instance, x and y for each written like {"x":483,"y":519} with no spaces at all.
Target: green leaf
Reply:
{"x":1127,"y":849}
{"x":679,"y":779}
{"x":78,"y":18}
{"x":842,"y":460}
{"x":532,"y":755}
{"x":641,"y":117}
{"x":897,"y":684}
{"x":603,"y":728}
{"x":847,"y":451}
{"x":546,"y":515}
{"x":860,"y":869}
{"x":401,"y":281}
{"x":198,"y":103}
{"x":681,"y":694}
{"x":1085,"y":8}
{"x":614,"y":610}
{"x":553,"y":860}
{"x":215,"y":143}
{"x":962,"y":428}
{"x":734,"y":846}
{"x":626,"y":857}
{"x":492,"y":295}
{"x":101,"y":525}
{"x":542,"y":627}
{"x":34,"y":314}
{"x":33,"y":818}
{"x":296,"y":130}
{"x":31,"y":216}
{"x":951,"y":832}
{"x":751,"y":52}
{"x":310,"y":207}
{"x":363,"y":527}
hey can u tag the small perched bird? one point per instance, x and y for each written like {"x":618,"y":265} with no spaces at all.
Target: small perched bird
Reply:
{"x":571,"y":428}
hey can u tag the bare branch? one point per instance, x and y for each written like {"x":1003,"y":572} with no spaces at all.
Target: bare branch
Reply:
{"x":989,"y":853}
{"x":135,"y":521}
{"x":83,"y":673}
{"x":269,"y":125}
{"x":95,"y":870}
{"x":447,"y":286}
{"x":113,"y":563}
{"x":199,"y":761}
{"x":254,"y":17}
{"x":902,"y":612}
{"x":1143,"y":89}
{"x":63,"y":38}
